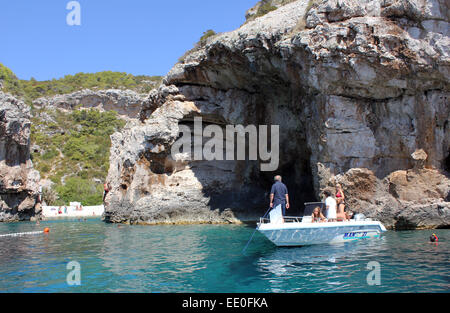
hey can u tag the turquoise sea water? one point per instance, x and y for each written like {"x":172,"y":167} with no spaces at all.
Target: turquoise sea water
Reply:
{"x":208,"y":258}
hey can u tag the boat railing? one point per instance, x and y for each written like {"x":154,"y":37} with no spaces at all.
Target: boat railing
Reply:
{"x":309,"y":208}
{"x":287,"y":219}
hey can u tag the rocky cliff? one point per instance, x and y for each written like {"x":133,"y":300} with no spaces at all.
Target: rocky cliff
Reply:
{"x":263,"y":7}
{"x":356,"y":88}
{"x":18,"y":180}
{"x":126,"y":103}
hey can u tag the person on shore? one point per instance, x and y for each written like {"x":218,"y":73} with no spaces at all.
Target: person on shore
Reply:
{"x":59,"y":210}
{"x":279,"y":195}
{"x":330,"y":204}
{"x":106,"y":189}
{"x":317,"y":215}
{"x":40,"y":194}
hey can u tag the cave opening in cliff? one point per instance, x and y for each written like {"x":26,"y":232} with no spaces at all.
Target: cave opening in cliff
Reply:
{"x":242,"y":185}
{"x":447,"y":162}
{"x":297,"y":176}
{"x":284,"y":105}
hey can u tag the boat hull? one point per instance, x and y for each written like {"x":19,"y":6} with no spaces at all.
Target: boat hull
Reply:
{"x":302,"y":234}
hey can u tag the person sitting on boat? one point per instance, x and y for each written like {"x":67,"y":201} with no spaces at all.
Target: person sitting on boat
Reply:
{"x":317,"y":215}
{"x":279,"y":195}
{"x":340,"y":200}
{"x":330,"y":204}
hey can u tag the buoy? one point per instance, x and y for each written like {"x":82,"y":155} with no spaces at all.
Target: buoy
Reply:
{"x":46,"y":230}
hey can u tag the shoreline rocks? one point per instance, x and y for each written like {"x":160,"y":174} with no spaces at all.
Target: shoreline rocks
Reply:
{"x":19,"y":182}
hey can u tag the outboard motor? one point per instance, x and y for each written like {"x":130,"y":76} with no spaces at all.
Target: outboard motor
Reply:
{"x":359,"y":217}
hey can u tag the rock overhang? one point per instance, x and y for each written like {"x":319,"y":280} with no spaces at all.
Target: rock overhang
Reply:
{"x":349,"y":91}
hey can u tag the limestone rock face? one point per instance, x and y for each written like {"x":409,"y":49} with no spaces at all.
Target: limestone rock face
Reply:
{"x":353,"y":86}
{"x":18,"y":180}
{"x":252,"y":13}
{"x":126,"y":103}
{"x":415,"y":198}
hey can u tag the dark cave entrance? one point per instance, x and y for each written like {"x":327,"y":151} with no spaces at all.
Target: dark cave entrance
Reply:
{"x":447,"y":162}
{"x":254,"y":190}
{"x":264,"y":98}
{"x":285,"y":106}
{"x":297,"y":176}
{"x":298,"y":179}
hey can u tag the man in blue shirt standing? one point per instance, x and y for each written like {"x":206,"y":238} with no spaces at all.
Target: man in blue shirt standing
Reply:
{"x":279,"y":195}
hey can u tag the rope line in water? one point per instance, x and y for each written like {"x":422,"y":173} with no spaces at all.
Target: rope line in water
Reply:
{"x":23,"y":234}
{"x":243,"y":251}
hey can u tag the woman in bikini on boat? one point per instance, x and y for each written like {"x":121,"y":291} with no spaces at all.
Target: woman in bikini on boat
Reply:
{"x":340,"y":199}
{"x":317,"y":216}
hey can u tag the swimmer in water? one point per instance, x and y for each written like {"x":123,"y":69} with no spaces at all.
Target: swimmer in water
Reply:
{"x":434,"y":238}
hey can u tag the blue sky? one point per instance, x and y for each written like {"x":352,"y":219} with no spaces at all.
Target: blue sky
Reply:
{"x":133,"y":36}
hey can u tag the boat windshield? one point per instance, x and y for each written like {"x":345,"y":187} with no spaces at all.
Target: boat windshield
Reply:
{"x":310,"y":206}
{"x":307,"y":212}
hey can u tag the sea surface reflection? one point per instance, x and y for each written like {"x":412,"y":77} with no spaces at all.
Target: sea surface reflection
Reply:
{"x":209,"y":258}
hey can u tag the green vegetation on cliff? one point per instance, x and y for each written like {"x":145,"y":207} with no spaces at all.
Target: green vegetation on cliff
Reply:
{"x":9,"y":82}
{"x":72,"y":150}
{"x":200,"y":44}
{"x":265,"y":6}
{"x":102,"y":80}
{"x":206,"y":35}
{"x":33,"y":89}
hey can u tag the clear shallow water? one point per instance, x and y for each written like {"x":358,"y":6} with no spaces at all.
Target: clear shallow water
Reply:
{"x":208,"y":258}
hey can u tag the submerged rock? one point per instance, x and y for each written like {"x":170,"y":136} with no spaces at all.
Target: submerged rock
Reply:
{"x":18,"y":180}
{"x":353,"y":86}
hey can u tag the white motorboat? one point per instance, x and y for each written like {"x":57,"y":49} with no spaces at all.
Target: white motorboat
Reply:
{"x":301,"y":231}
